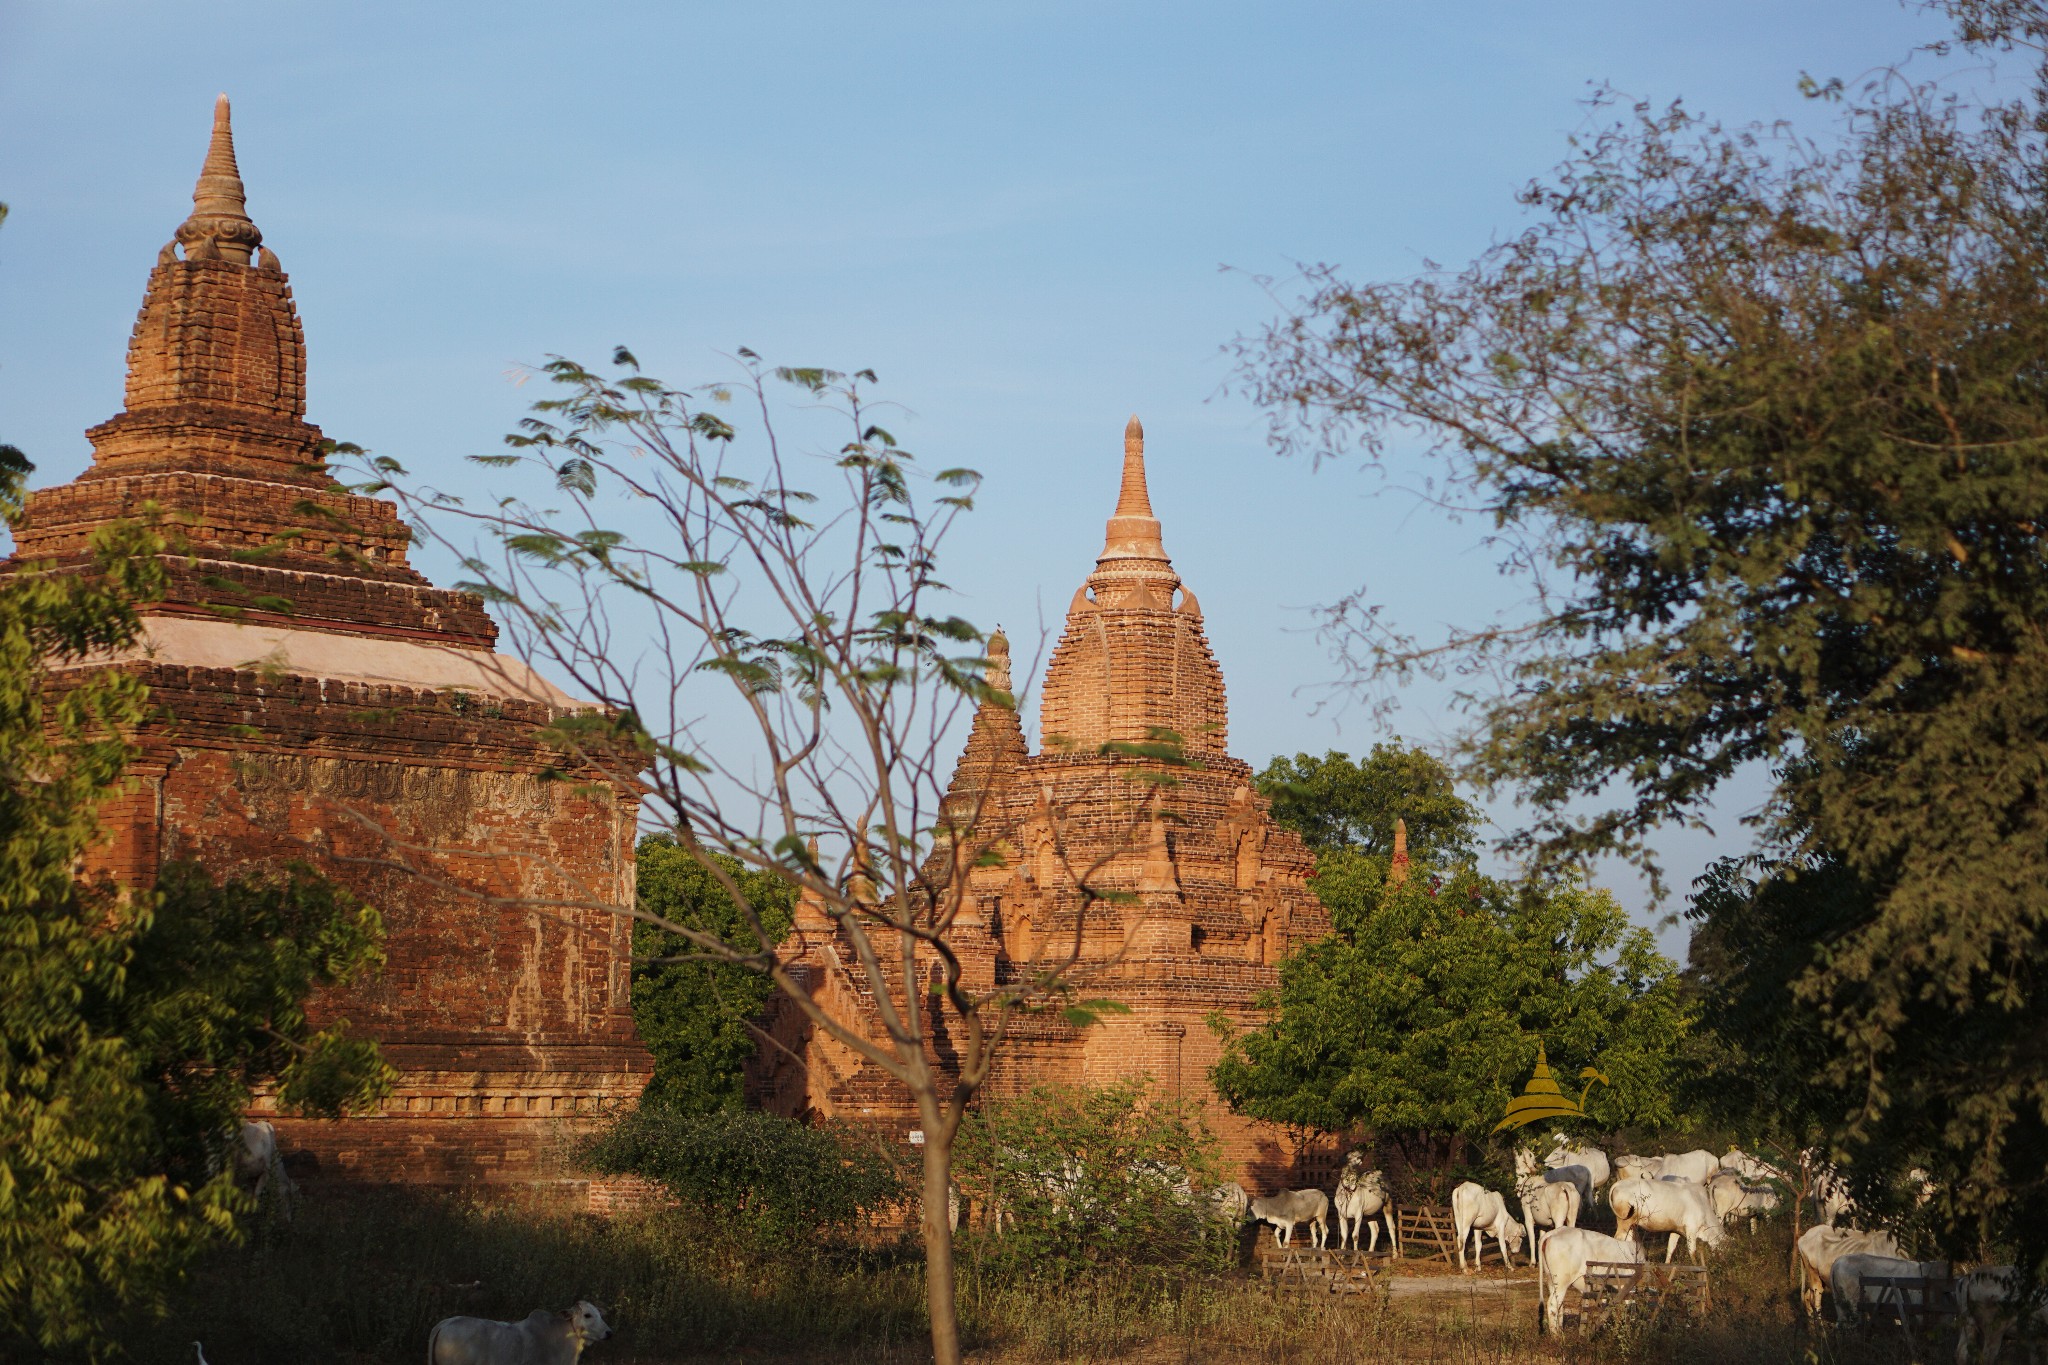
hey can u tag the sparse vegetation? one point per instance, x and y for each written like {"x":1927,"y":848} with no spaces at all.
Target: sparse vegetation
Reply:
{"x":366,"y":1279}
{"x":762,"y":1173}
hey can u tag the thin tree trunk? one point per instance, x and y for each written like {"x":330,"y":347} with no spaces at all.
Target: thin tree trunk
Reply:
{"x":938,"y":1248}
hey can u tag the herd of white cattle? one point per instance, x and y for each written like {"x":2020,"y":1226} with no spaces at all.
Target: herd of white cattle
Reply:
{"x":1694,"y":1196}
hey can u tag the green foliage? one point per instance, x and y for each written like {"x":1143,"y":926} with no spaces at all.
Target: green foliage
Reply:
{"x":771,"y":1175}
{"x":694,"y":1015}
{"x":213,"y":1003}
{"x":1757,"y":931}
{"x":1767,"y":419}
{"x":132,"y":1025}
{"x":1086,"y":1177}
{"x":1335,"y":803}
{"x":1423,"y":1012}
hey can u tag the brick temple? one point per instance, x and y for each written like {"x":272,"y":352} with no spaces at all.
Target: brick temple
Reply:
{"x":1218,"y":892}
{"x":321,"y":701}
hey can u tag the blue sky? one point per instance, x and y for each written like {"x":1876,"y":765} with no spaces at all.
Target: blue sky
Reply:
{"x":1019,"y":215}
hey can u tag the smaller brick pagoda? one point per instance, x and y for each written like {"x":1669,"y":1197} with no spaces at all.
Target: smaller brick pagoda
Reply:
{"x":321,"y":701}
{"x":1218,"y":892}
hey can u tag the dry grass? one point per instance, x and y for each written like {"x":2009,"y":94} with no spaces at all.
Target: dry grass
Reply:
{"x":364,"y":1280}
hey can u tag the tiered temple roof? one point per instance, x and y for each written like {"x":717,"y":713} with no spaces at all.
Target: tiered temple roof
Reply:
{"x":320,"y":701}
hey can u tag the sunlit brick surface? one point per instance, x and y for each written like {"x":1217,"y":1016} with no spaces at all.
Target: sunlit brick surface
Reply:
{"x":509,"y":1023}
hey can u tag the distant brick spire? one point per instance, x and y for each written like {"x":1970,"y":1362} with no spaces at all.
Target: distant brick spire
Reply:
{"x":1133,"y":531}
{"x":219,"y":225}
{"x":1133,"y":659}
{"x":995,"y":743}
{"x":1397,"y":870}
{"x":1133,"y":500}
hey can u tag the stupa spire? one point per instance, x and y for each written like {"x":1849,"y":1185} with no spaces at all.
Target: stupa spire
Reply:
{"x":1133,"y":531}
{"x":219,"y":226}
{"x":1132,"y":499}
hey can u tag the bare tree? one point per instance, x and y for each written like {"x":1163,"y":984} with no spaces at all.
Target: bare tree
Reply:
{"x":776,"y":679}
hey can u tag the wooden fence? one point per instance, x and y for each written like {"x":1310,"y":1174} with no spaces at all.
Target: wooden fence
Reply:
{"x":1427,"y":1230}
{"x":1304,"y":1269}
{"x":1614,"y":1287}
{"x":1915,"y":1302}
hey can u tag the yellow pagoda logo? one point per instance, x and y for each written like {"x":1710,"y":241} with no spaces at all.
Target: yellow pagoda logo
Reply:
{"x":1542,"y":1099}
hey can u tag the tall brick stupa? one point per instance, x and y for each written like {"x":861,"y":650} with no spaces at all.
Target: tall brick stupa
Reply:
{"x":321,"y":701}
{"x":1218,"y":892}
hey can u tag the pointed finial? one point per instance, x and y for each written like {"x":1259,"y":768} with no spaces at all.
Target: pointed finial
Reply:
{"x":998,"y":675}
{"x":1132,"y":499}
{"x":1133,"y":532}
{"x":220,"y":213}
{"x":1397,"y":872}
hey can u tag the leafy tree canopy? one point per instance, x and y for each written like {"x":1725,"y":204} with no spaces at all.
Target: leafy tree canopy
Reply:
{"x":1765,"y":931}
{"x":1766,"y":421}
{"x":1424,"y":1011}
{"x":133,"y":1024}
{"x":693,"y":1014}
{"x":1335,"y":803}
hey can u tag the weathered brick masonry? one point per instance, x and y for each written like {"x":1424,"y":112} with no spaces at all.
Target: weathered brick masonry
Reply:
{"x":322,"y":701}
{"x":1218,"y":891}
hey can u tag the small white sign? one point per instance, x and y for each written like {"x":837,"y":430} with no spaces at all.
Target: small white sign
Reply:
{"x":917,"y":1137}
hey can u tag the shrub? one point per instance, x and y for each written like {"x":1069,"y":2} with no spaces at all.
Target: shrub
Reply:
{"x":771,"y":1174}
{"x":1089,"y":1176}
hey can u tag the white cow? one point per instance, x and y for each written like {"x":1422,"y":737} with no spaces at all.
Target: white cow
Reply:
{"x":1362,"y":1196}
{"x":1847,"y":1274}
{"x":1291,"y":1207}
{"x":1476,"y":1211}
{"x":541,"y":1338}
{"x":1735,"y":1197}
{"x":1550,"y":1198}
{"x":1677,"y":1207}
{"x":1564,"y":1255}
{"x":1751,"y":1168}
{"x":1988,"y":1308}
{"x":1699,"y":1166}
{"x":259,"y":1168}
{"x":1585,"y":1167}
{"x":1820,"y":1246}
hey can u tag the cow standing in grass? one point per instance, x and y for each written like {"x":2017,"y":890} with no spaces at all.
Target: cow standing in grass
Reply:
{"x":259,"y":1166}
{"x":1476,"y":1211}
{"x":1562,"y":1258}
{"x":1361,"y":1198}
{"x":540,"y":1338}
{"x":1677,"y":1207}
{"x":1821,"y":1244}
{"x":1290,"y":1208}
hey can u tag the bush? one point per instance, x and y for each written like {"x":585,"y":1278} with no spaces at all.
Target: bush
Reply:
{"x":1082,"y":1177}
{"x":772,"y":1174}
